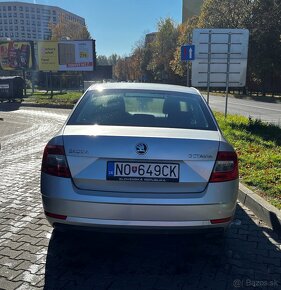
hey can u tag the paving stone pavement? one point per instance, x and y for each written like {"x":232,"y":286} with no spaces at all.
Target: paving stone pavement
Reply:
{"x":33,"y":256}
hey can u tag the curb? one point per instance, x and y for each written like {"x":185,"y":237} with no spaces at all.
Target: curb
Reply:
{"x":52,"y":106}
{"x":16,"y":105}
{"x":260,"y":207}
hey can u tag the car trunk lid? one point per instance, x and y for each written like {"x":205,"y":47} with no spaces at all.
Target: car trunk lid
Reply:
{"x":90,"y":150}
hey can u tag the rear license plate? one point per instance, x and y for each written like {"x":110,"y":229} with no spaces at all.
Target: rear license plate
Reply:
{"x":142,"y":171}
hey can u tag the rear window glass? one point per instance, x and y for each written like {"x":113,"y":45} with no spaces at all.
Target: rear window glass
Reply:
{"x":142,"y":109}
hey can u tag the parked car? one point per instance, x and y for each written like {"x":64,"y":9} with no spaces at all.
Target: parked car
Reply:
{"x":140,"y":156}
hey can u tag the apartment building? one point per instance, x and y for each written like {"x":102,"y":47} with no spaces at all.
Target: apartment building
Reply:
{"x":27,"y":21}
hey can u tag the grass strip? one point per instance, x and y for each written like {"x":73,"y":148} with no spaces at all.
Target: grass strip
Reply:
{"x":258,"y":146}
{"x":69,"y":98}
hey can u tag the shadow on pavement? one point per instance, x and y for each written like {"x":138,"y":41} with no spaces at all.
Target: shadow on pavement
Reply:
{"x":13,"y":106}
{"x":9,"y":106}
{"x":118,"y":261}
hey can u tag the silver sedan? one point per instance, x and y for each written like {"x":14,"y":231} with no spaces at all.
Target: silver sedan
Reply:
{"x":140,"y":156}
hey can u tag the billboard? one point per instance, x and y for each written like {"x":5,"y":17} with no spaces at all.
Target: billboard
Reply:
{"x":16,"y":55}
{"x":76,"y":55}
{"x":220,"y":57}
{"x":69,"y":55}
{"x":48,"y":56}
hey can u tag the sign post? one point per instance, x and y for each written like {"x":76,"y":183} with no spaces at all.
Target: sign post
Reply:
{"x":24,"y":78}
{"x":227,"y":73}
{"x":209,"y":64}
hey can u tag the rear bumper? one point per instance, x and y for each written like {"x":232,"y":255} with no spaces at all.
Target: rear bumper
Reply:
{"x":137,"y":223}
{"x":105,"y":210}
{"x":140,"y":230}
{"x":131,"y":217}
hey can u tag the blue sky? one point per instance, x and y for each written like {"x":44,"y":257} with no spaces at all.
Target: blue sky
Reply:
{"x":117,"y":25}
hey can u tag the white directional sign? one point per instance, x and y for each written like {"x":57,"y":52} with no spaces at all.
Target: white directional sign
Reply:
{"x":220,"y":57}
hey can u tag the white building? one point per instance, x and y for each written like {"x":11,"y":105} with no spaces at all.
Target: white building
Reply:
{"x":26,"y":21}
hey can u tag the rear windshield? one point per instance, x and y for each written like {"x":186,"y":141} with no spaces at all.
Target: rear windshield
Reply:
{"x":142,"y":109}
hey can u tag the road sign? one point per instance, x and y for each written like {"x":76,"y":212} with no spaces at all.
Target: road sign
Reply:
{"x":188,"y":52}
{"x":220,"y":57}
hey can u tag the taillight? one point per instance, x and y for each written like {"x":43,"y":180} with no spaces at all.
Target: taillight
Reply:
{"x":226,"y":167}
{"x":55,"y":215}
{"x":54,"y":161}
{"x":220,"y":221}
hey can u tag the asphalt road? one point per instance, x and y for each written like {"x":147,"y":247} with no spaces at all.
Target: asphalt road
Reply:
{"x":33,"y":256}
{"x":268,"y":112}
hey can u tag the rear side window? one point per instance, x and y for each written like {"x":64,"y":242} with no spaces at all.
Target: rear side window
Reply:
{"x":142,"y":109}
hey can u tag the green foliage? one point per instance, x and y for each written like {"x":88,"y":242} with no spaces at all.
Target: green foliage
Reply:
{"x":104,"y":60}
{"x":258,"y":146}
{"x":262,"y":18}
{"x":265,"y":45}
{"x":160,"y":61}
{"x":112,"y":59}
{"x":185,"y":29}
{"x":151,"y":60}
{"x":163,"y":49}
{"x":225,"y":13}
{"x":68,"y":98}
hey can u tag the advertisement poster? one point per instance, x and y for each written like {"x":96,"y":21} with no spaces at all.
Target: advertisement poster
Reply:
{"x":48,"y":56}
{"x":70,"y":55}
{"x":16,"y":55}
{"x":76,"y":55}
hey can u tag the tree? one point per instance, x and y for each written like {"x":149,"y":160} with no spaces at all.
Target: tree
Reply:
{"x":226,"y":13}
{"x":112,"y":59}
{"x":177,"y":65}
{"x":68,"y":28}
{"x":265,"y":46}
{"x":136,"y":72}
{"x":262,"y":18}
{"x":163,"y":50}
{"x":146,"y":59}
{"x":102,"y":60}
{"x":121,"y":70}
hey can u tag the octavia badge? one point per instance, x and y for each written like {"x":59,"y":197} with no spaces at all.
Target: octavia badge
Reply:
{"x":141,"y":148}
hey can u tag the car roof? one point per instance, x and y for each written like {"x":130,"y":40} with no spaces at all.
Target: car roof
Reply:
{"x":144,"y":86}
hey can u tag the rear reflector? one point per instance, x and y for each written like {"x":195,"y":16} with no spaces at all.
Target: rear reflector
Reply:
{"x":54,"y":161}
{"x":220,"y":221}
{"x":226,"y":167}
{"x":56,"y":216}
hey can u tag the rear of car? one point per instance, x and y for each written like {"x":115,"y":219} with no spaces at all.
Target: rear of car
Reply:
{"x":140,"y":156}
